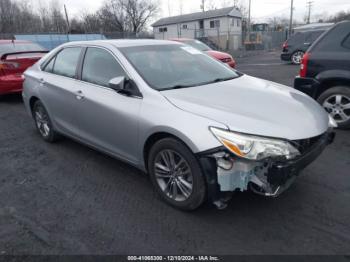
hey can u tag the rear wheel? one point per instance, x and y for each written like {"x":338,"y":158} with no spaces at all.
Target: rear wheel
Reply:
{"x":296,"y":57}
{"x":176,"y":174}
{"x":43,"y":123}
{"x":336,"y":101}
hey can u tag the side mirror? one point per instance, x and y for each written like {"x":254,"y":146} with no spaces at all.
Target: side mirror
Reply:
{"x":117,"y":83}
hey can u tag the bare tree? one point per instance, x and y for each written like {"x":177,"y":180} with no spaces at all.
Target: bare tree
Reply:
{"x":139,"y":12}
{"x":112,"y":16}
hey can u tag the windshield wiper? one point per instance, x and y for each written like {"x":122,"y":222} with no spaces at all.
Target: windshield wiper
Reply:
{"x":176,"y":87}
{"x":222,"y":79}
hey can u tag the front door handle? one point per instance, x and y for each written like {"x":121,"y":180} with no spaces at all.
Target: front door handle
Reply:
{"x":80,"y":95}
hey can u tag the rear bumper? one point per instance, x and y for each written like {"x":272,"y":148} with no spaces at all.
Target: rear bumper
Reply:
{"x":306,"y":85}
{"x":285,"y":57}
{"x":9,"y":85}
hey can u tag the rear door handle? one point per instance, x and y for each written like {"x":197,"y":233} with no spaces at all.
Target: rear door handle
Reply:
{"x":80,"y":95}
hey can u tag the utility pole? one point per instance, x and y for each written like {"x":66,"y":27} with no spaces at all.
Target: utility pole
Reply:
{"x":291,"y":18}
{"x":203,"y":6}
{"x":309,"y":4}
{"x":250,"y":2}
{"x":67,"y":20}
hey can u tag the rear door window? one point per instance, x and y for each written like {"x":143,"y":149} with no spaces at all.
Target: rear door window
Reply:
{"x":66,"y":62}
{"x":100,"y":67}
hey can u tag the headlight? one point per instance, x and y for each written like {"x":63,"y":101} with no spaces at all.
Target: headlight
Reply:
{"x":254,"y":147}
{"x":332,"y":122}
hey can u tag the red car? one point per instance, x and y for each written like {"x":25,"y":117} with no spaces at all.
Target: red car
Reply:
{"x":15,"y":57}
{"x":221,"y":56}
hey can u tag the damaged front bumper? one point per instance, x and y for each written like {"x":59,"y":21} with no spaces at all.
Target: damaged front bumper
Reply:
{"x":270,"y":177}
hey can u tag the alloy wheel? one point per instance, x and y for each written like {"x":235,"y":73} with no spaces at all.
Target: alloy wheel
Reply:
{"x":42,"y":121}
{"x":338,"y":106}
{"x":173,"y":175}
{"x":297,"y":57}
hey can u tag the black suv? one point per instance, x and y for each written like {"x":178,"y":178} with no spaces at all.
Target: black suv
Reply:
{"x":296,"y":45}
{"x":325,"y":73}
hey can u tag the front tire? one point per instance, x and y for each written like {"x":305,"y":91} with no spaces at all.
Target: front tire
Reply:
{"x":336,"y":101}
{"x":176,"y":175}
{"x":296,"y":57}
{"x":43,"y":123}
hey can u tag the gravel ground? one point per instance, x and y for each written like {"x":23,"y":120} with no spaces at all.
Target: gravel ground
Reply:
{"x":65,"y":198}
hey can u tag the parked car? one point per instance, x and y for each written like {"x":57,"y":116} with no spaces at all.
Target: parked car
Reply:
{"x":295,"y":47}
{"x":221,"y":56}
{"x":197,"y":127}
{"x":325,"y":73}
{"x":15,"y":57}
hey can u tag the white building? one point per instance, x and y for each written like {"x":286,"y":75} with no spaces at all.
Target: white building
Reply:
{"x":221,"y":26}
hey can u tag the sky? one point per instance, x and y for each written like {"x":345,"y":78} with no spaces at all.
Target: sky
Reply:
{"x":261,"y":10}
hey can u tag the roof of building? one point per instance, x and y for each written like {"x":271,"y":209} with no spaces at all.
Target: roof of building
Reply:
{"x":228,"y":11}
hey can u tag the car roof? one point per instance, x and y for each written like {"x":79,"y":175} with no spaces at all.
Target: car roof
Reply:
{"x":123,"y":42}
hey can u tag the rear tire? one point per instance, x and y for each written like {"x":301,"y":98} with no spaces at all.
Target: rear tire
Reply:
{"x":336,"y":102}
{"x":176,"y":174}
{"x":43,"y":123}
{"x":296,"y":57}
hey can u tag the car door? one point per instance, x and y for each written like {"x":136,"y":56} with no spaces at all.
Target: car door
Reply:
{"x":107,"y":119}
{"x":58,"y":89}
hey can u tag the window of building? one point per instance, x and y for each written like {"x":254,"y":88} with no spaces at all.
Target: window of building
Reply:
{"x":163,"y":29}
{"x":238,"y":22}
{"x":184,"y":26}
{"x":215,"y":24}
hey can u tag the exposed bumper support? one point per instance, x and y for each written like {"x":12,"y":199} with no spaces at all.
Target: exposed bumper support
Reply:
{"x":227,"y":173}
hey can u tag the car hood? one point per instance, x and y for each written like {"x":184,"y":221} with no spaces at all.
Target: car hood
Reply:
{"x":254,"y":106}
{"x":217,"y":54}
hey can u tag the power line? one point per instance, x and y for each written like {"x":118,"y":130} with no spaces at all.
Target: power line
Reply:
{"x":309,"y":5}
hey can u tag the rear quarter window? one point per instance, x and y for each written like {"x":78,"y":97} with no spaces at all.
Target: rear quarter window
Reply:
{"x":335,"y":40}
{"x":346,"y":42}
{"x":297,"y":38}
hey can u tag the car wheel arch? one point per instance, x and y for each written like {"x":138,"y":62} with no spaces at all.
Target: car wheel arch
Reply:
{"x":32,"y":101}
{"x":155,"y":137}
{"x":330,"y":83}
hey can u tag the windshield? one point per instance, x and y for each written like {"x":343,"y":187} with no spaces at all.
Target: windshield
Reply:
{"x":166,"y":67}
{"x":19,"y":47}
{"x":197,"y":44}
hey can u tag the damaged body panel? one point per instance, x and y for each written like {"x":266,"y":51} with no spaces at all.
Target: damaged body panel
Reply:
{"x":269,"y":177}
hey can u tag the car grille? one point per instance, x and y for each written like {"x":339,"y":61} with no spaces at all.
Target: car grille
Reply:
{"x":304,"y":145}
{"x":225,"y":60}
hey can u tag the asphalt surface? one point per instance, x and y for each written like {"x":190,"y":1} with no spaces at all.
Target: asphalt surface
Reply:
{"x":65,"y":198}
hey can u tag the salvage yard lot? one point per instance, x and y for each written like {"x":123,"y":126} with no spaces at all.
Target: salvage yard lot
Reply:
{"x":68,"y":199}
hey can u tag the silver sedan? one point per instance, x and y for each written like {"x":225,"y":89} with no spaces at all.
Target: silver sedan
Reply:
{"x":199,"y":129}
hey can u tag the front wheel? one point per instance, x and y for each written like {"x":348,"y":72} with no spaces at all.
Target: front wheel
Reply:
{"x":176,"y":174}
{"x":336,"y":101}
{"x":297,"y":56}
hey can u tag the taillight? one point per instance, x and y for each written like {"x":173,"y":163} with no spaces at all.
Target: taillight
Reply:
{"x":8,"y":65}
{"x":285,"y":45}
{"x":303,"y":65}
